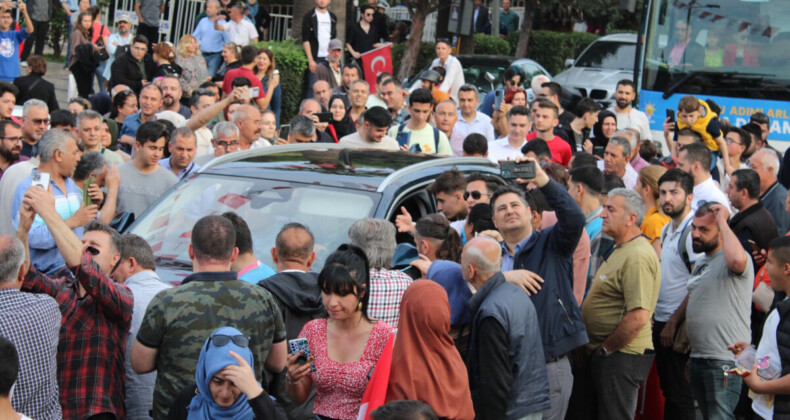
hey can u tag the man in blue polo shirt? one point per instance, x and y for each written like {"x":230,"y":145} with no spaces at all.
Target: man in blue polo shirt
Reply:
{"x":9,"y":42}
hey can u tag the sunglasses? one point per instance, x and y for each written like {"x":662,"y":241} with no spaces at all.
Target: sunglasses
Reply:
{"x":475,"y":194}
{"x":221,"y":340}
{"x":39,"y":121}
{"x":93,"y":251}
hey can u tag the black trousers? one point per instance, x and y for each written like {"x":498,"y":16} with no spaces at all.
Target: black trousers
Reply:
{"x":671,"y":365}
{"x":84,"y":79}
{"x":39,"y":37}
{"x":150,"y":32}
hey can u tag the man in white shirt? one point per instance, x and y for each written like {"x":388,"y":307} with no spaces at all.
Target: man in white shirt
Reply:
{"x":239,"y":30}
{"x":615,"y":161}
{"x":454,"y":78}
{"x":509,"y":147}
{"x":626,"y":115}
{"x":695,"y":159}
{"x":470,"y":121}
{"x":417,"y":134}
{"x":319,"y":27}
{"x":372,"y":131}
{"x":445,"y":115}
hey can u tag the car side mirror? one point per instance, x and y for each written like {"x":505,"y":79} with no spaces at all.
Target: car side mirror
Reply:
{"x":569,"y":62}
{"x":490,"y":77}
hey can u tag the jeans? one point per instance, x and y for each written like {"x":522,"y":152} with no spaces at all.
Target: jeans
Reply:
{"x":213,"y":61}
{"x":99,"y":73}
{"x":715,"y":401}
{"x":671,"y":366}
{"x":617,"y":379}
{"x":560,"y":386}
{"x":39,"y":37}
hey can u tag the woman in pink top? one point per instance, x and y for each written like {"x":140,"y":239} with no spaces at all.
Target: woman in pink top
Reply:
{"x":345,"y":346}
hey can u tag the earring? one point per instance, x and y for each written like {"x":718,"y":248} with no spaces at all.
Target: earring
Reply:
{"x":359,"y":307}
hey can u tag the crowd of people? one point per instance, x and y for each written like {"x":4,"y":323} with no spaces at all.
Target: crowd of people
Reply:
{"x":543,"y":298}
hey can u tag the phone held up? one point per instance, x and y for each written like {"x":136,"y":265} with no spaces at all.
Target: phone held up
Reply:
{"x":301,"y":344}
{"x":41,"y":179}
{"x":509,"y":169}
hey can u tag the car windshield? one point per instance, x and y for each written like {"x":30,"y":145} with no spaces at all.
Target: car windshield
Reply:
{"x":609,"y":55}
{"x":266,"y":205}
{"x":476,"y":75}
{"x":730,"y":48}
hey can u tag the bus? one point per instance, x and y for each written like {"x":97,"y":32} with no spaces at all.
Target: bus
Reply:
{"x":733,"y":52}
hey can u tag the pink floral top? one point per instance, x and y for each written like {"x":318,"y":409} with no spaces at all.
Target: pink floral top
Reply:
{"x":340,"y":386}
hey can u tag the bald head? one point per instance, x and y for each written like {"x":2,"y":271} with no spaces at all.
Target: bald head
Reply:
{"x":481,"y":259}
{"x":293,"y":248}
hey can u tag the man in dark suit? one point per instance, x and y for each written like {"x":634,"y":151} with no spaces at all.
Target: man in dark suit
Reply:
{"x":482,"y":25}
{"x":34,"y":86}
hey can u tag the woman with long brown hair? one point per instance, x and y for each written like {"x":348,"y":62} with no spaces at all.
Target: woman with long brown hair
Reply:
{"x":655,"y":219}
{"x":264,"y":70}
{"x":82,"y":62}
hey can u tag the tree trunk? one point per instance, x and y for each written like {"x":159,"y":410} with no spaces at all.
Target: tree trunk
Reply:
{"x":526,"y":29}
{"x":418,"y":16}
{"x":339,"y":9}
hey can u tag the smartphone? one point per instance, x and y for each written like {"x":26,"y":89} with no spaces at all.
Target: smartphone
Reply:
{"x":754,"y":245}
{"x":598,"y":151}
{"x":500,"y":95}
{"x":254,"y":92}
{"x":324,"y":117}
{"x":301,"y":344}
{"x":509,"y":169}
{"x":41,"y":179}
{"x":671,"y":115}
{"x":284,"y":132}
{"x":86,"y":198}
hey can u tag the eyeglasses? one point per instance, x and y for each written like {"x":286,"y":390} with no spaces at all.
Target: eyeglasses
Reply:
{"x":731,"y":141}
{"x":514,"y":82}
{"x":39,"y":121}
{"x":475,"y":194}
{"x":15,"y":139}
{"x":221,"y":340}
{"x":92,"y":250}
{"x":225,"y":144}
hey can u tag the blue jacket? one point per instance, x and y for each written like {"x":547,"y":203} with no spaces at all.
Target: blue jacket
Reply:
{"x":549,"y":254}
{"x":522,"y":360}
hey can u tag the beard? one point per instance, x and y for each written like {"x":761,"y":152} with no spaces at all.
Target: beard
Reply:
{"x":700,"y":246}
{"x":671,"y":211}
{"x":9,"y":155}
{"x":168,"y":101}
{"x":623,"y":104}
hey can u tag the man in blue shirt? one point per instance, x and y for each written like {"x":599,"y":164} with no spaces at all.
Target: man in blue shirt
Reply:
{"x":9,"y":43}
{"x":210,"y":39}
{"x":150,"y":101}
{"x":59,"y":155}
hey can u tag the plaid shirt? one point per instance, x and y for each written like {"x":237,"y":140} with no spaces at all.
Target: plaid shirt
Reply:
{"x":386,"y":290}
{"x":32,"y":323}
{"x":92,"y":338}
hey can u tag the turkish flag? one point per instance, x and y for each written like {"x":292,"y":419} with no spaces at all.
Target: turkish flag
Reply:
{"x":376,"y":62}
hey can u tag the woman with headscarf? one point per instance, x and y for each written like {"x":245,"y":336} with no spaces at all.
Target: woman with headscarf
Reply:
{"x":340,"y":125}
{"x":448,"y":275}
{"x":603,"y":131}
{"x":225,"y":386}
{"x":428,"y":366}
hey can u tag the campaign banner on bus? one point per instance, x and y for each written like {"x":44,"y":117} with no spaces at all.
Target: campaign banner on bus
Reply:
{"x":736,"y":110}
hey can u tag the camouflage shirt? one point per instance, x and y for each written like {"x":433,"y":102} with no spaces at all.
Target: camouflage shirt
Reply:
{"x":178,"y":321}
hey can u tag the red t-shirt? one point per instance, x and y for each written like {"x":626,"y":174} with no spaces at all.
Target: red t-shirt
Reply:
{"x":560,"y":149}
{"x":242,"y":72}
{"x":99,"y":30}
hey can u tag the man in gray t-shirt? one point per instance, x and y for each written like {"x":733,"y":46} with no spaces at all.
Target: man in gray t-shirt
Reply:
{"x":718,"y":311}
{"x":143,"y":180}
{"x":148,"y":13}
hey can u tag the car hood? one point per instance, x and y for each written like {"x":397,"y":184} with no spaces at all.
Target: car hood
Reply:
{"x":587,"y":77}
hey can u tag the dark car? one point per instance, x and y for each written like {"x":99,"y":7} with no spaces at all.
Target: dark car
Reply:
{"x":326,"y":187}
{"x":477,"y":67}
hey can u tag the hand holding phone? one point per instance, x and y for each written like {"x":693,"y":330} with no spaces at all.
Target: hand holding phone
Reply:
{"x":301,"y":344}
{"x":671,"y":115}
{"x":509,"y":169}
{"x":324,"y":117}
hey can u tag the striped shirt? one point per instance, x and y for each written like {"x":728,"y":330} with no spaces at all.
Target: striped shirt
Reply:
{"x":44,"y":253}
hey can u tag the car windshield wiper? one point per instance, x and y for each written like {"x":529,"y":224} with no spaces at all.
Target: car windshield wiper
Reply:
{"x":671,"y":89}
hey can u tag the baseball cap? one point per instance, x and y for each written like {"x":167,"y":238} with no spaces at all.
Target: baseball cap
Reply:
{"x":124,"y":17}
{"x":335,"y":44}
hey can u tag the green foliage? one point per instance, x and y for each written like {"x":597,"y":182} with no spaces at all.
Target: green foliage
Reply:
{"x":550,"y":49}
{"x":424,"y":57}
{"x":292,"y":63}
{"x":57,"y":31}
{"x":491,"y":45}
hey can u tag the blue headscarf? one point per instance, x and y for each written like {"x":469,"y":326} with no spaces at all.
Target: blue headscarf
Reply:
{"x":212,"y":360}
{"x":448,"y":274}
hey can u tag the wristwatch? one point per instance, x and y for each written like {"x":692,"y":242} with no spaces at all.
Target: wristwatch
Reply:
{"x":604,"y":352}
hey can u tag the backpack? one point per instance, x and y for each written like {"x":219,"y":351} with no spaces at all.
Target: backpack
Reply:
{"x":682,"y":248}
{"x":404,"y":140}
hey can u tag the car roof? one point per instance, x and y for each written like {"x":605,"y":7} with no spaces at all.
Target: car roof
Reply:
{"x":338,"y":165}
{"x":624,"y":37}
